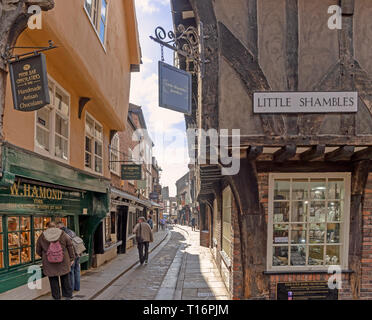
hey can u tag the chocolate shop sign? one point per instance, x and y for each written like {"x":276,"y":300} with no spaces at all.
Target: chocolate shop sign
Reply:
{"x":29,"y":82}
{"x":305,"y":102}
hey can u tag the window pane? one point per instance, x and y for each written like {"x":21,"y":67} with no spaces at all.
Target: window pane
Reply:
{"x":25,"y":239}
{"x":89,"y":125}
{"x":88,"y":160}
{"x":298,"y":233}
{"x":62,"y":103}
{"x":316,"y":255}
{"x":37,"y":235}
{"x":88,"y":144}
{"x":1,"y":260}
{"x":61,"y":126}
{"x":317,"y":211}
{"x":316,"y":233}
{"x":334,"y":211}
{"x":1,"y":242}
{"x":102,"y":31}
{"x":281,"y":191}
{"x":38,"y":223}
{"x":333,"y":255}
{"x":43,"y":116}
{"x":61,"y":150}
{"x":299,"y":211}
{"x":26,"y":255}
{"x":98,"y":165}
{"x":333,"y":232}
{"x":13,"y":240}
{"x":88,"y":6}
{"x":42,"y":138}
{"x":281,"y":211}
{"x":103,"y":10}
{"x":298,"y":255}
{"x":300,"y":189}
{"x":45,"y":221}
{"x":14,"y":257}
{"x":336,"y":189}
{"x":25,"y":223}
{"x":1,"y":224}
{"x":280,"y":256}
{"x":13,"y":223}
{"x":317,"y":188}
{"x":280,"y":233}
{"x":98,"y":149}
{"x":98,"y":132}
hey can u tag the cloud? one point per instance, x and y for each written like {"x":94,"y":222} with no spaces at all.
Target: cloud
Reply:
{"x":151,"y":6}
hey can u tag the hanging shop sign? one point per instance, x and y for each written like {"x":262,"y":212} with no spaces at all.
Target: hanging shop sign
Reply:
{"x":157,"y":188}
{"x":154,"y":196}
{"x":141,"y":184}
{"x":131,"y":172}
{"x":175,"y":88}
{"x":29,"y":83}
{"x":310,"y":290}
{"x":305,"y":102}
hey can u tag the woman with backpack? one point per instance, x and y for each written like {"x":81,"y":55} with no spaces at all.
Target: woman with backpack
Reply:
{"x":55,"y":248}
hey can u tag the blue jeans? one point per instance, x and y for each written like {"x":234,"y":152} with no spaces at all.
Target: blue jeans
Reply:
{"x":75,"y":275}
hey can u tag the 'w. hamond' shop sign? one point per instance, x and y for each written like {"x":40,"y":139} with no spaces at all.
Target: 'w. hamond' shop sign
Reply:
{"x":305,"y":102}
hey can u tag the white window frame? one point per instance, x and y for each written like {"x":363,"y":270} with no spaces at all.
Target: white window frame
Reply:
{"x":115,"y":153}
{"x":52,"y":121}
{"x":96,"y":24}
{"x":92,"y":170}
{"x":344,"y":230}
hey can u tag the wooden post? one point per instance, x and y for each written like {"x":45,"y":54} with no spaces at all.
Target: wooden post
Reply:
{"x":358,"y":182}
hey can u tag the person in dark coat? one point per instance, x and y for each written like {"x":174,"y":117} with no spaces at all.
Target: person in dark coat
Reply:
{"x":143,"y":231}
{"x":193,"y":223}
{"x":56,"y":271}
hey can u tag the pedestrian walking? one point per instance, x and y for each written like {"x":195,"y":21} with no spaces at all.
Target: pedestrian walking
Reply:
{"x":79,"y":248}
{"x":193,"y":224}
{"x":144,"y":236}
{"x":150,"y":222}
{"x":55,"y":248}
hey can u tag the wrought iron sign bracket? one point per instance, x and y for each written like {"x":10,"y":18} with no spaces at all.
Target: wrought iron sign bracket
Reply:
{"x":188,"y":43}
{"x":9,"y":57}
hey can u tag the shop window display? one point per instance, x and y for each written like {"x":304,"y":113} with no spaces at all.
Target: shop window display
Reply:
{"x":307,"y":221}
{"x":19,"y":240}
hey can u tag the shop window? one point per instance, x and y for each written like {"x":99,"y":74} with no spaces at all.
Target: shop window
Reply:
{"x":97,"y":12}
{"x":93,"y":145}
{"x":19,"y":240}
{"x":52,"y":124}
{"x":226,"y":222}
{"x":115,"y":155}
{"x":1,"y":244}
{"x":308,"y":219}
{"x":110,"y":229}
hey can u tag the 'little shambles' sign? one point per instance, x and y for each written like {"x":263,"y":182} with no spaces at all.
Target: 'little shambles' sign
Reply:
{"x":29,"y":82}
{"x":175,"y":88}
{"x":131,"y":172}
{"x":305,"y":102}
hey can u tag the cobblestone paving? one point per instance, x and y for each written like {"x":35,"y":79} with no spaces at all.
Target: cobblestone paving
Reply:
{"x":144,"y":281}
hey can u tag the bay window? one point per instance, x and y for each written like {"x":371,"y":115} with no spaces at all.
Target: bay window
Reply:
{"x":93,"y":145}
{"x":52,"y":124}
{"x":97,"y":12}
{"x":308,"y":220}
{"x":115,"y":155}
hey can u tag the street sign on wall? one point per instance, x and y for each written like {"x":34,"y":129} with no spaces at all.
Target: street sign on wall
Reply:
{"x":175,"y":88}
{"x":131,"y":172}
{"x":305,"y":102}
{"x":29,"y":83}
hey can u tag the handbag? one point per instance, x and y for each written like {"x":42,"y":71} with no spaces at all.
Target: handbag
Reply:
{"x":139,"y":236}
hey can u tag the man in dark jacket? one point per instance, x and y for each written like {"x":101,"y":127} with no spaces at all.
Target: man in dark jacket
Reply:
{"x":54,"y":271}
{"x":144,"y":236}
{"x":150,"y":222}
{"x":75,"y":268}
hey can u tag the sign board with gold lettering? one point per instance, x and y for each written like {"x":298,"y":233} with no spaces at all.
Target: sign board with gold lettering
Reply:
{"x":131,"y":172}
{"x":29,"y":82}
{"x":307,"y":290}
{"x":175,"y":88}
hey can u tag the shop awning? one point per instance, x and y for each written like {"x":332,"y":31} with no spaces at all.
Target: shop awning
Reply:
{"x":130,"y":197}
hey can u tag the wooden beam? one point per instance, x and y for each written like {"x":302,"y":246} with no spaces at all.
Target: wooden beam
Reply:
{"x":365,"y":154}
{"x":253,"y":152}
{"x":285,"y":153}
{"x":314,"y":153}
{"x":342,"y":153}
{"x":301,"y":166}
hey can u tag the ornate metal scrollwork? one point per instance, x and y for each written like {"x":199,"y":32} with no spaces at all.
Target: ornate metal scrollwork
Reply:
{"x":186,"y":42}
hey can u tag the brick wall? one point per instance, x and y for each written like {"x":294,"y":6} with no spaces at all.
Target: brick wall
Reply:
{"x":366,"y":261}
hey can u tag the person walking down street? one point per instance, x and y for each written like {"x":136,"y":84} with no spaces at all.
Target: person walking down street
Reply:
{"x":75,"y":268}
{"x":193,"y":224}
{"x":150,"y":222}
{"x":55,"y":248}
{"x":144,"y":236}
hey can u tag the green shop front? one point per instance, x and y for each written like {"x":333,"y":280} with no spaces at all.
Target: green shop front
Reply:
{"x":33,"y":191}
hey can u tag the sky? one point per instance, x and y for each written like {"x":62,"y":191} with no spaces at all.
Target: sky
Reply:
{"x":166,"y":128}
